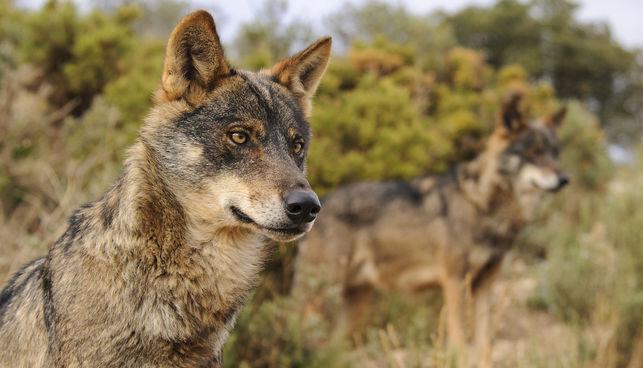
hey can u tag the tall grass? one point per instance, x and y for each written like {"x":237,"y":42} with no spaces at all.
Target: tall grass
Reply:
{"x":50,"y":163}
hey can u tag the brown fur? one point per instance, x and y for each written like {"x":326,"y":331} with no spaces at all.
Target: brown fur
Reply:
{"x":450,"y":231}
{"x":154,"y":273}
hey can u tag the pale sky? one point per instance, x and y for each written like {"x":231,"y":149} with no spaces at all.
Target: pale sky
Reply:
{"x":624,"y":16}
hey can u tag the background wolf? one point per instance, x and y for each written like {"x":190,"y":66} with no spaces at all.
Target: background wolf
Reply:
{"x":154,"y":272}
{"x":449,"y":231}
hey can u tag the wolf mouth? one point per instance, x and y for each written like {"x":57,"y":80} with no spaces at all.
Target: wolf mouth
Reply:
{"x":242,"y":217}
{"x":538,"y":186}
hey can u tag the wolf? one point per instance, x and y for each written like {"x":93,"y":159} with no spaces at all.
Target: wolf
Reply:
{"x":450,"y":231}
{"x":153,"y":273}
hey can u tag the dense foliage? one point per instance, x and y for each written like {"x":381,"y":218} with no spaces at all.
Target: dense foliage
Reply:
{"x":405,"y":95}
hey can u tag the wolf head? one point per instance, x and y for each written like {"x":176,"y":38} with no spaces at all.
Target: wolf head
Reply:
{"x":231,"y":145}
{"x":528,"y":158}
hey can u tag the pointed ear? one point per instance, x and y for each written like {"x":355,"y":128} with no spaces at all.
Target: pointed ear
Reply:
{"x":557,"y":118}
{"x":511,"y":118}
{"x":194,"y":60}
{"x":302,"y":72}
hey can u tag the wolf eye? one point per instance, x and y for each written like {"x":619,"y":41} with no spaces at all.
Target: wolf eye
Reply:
{"x":298,"y":146}
{"x":238,"y":137}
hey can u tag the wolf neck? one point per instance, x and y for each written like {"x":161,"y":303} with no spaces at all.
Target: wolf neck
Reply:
{"x":204,"y":280}
{"x":490,"y":192}
{"x":142,"y":205}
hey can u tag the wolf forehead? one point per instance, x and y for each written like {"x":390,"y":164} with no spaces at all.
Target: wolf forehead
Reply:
{"x":536,"y":139}
{"x":252,"y":101}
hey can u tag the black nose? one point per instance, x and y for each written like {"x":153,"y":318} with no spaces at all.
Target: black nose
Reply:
{"x":302,"y":206}
{"x":563,"y":180}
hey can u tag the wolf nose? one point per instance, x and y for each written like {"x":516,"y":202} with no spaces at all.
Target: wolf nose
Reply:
{"x":302,"y":206}
{"x":563,"y":180}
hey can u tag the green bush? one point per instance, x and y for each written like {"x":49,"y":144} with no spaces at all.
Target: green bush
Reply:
{"x":132,"y":91}
{"x":371,"y":132}
{"x":78,"y":53}
{"x":584,"y":148}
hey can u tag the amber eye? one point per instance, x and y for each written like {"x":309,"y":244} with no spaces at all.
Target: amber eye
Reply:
{"x":238,"y":137}
{"x":298,"y":146}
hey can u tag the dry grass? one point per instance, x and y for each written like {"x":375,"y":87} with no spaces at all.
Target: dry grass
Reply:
{"x":43,"y":177}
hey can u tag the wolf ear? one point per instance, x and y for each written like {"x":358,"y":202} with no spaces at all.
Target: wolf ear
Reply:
{"x":511,"y":118}
{"x":557,"y":118}
{"x":302,"y":72}
{"x":194,"y":59}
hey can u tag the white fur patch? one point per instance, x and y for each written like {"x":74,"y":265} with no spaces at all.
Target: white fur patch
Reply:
{"x":194,"y":152}
{"x":538,"y":177}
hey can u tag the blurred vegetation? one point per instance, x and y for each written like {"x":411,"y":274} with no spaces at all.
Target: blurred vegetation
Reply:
{"x":406,"y":95}
{"x":594,"y":276}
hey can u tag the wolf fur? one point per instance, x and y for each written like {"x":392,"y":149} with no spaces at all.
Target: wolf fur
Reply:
{"x":448,"y":231}
{"x":154,"y":272}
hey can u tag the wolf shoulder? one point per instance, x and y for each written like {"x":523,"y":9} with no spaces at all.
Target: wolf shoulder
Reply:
{"x":23,"y":334}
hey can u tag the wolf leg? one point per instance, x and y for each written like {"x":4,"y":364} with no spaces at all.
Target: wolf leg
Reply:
{"x":483,"y":304}
{"x":356,"y":308}
{"x":360,"y":284}
{"x":454,"y":300}
{"x":483,"y":337}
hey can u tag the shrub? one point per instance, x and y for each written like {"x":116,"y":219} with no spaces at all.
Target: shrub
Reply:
{"x":77,"y":53}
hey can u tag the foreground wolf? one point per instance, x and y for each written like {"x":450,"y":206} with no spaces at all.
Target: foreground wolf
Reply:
{"x":154,"y":272}
{"x":450,"y":231}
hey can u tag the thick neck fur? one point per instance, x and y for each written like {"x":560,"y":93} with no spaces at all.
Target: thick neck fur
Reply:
{"x":491,"y":193}
{"x":191,"y":284}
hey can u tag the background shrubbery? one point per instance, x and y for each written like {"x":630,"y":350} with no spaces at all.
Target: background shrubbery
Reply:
{"x":405,"y":95}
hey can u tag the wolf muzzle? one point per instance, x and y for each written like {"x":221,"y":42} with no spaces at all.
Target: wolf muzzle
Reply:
{"x":563,"y":180}
{"x":302,"y":206}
